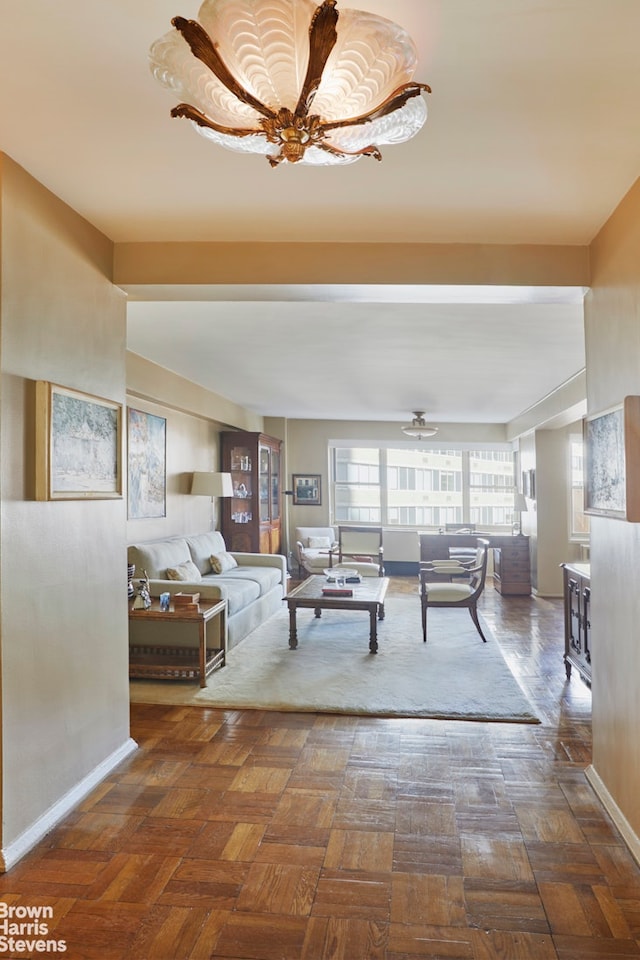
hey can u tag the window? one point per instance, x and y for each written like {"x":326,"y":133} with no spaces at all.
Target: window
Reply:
{"x":578,"y":520}
{"x":356,"y":494}
{"x":424,"y":487}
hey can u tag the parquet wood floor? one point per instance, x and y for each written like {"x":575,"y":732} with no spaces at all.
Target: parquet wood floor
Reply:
{"x":274,"y":836}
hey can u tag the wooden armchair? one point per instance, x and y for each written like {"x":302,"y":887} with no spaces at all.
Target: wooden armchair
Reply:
{"x":360,"y":548}
{"x":455,"y":593}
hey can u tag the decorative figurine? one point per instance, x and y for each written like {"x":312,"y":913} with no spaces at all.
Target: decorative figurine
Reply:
{"x":143,"y":600}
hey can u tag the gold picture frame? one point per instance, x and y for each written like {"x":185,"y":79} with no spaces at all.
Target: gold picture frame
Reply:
{"x":78,"y":445}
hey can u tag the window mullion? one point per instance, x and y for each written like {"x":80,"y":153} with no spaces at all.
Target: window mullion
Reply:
{"x":384,"y":498}
{"x":466,"y":492}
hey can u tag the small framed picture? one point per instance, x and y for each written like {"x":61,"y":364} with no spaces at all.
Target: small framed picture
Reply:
{"x":307,"y":489}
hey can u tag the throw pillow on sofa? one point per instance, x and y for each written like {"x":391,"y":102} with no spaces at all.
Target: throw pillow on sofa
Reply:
{"x":221,"y":562}
{"x":319,"y":543}
{"x":184,"y":571}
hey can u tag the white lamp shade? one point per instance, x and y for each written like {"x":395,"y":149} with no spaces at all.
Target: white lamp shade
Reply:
{"x":211,"y":484}
{"x":520,"y":502}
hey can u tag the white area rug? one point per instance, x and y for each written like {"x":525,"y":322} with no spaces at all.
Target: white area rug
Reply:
{"x":453,"y":676}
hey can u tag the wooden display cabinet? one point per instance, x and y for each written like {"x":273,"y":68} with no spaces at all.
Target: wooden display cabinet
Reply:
{"x":251,"y":518}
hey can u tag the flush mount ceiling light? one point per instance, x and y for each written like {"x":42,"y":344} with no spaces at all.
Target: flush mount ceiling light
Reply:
{"x":419,"y":429}
{"x":250,"y":71}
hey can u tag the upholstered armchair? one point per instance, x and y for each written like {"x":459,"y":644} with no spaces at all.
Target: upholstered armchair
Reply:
{"x":313,"y":548}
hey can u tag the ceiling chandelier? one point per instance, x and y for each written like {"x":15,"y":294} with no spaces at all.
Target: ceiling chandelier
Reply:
{"x":250,"y":72}
{"x":419,"y":429}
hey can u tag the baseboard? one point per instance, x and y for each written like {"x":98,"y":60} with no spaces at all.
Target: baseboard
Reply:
{"x":10,"y":855}
{"x":628,"y":834}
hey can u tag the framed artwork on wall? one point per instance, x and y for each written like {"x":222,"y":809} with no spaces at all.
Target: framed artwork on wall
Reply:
{"x":146,"y":465}
{"x":529,"y":484}
{"x":78,"y":445}
{"x":612,"y":461}
{"x":307,"y":489}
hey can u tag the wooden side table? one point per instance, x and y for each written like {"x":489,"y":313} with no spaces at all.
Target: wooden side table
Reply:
{"x":154,"y":655}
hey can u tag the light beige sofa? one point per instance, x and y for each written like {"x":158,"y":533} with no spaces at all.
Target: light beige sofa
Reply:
{"x":253,"y":589}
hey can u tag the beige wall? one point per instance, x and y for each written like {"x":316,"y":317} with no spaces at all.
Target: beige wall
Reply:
{"x":139,"y":267}
{"x":191,"y":444}
{"x":613,"y":367}
{"x":194,"y":418}
{"x":63,"y":623}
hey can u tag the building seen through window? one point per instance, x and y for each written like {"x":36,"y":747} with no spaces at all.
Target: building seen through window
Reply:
{"x":423,"y":487}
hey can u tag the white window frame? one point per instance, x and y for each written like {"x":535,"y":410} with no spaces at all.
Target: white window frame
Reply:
{"x":457,"y":448}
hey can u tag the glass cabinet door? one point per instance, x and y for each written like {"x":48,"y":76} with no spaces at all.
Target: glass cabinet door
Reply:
{"x":263,"y":479}
{"x":275,"y":484}
{"x":241,"y":511}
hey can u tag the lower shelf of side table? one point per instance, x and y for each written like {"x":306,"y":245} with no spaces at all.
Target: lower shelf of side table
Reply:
{"x":171,"y":663}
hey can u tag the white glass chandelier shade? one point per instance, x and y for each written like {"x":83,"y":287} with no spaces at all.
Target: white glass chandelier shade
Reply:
{"x":419,"y":429}
{"x":264,"y":99}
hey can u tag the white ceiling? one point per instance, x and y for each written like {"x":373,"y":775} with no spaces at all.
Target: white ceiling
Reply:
{"x":533,"y":137}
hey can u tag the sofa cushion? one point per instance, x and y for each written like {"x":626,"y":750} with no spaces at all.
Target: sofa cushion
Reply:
{"x":315,"y":561}
{"x":184,"y":571}
{"x":239,"y":592}
{"x":202,"y":546}
{"x":221,"y":562}
{"x":155,"y":557}
{"x":303,"y":534}
{"x":265,"y":578}
{"x":319,"y":543}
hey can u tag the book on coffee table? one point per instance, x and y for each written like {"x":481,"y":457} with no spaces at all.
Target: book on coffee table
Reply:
{"x":337,"y":592}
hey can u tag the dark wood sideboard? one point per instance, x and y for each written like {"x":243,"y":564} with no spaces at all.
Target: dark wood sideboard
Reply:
{"x":512,"y":567}
{"x":577,"y":619}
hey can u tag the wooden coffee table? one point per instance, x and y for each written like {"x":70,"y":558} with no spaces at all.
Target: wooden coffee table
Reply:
{"x":367,"y":595}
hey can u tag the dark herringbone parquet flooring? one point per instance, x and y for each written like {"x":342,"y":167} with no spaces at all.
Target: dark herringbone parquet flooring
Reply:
{"x":258,"y":836}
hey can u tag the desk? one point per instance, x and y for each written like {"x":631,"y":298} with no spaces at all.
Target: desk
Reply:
{"x":511,"y":564}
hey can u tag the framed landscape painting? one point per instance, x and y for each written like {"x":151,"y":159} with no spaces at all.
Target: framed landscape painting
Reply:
{"x":78,"y":445}
{"x":612,"y":461}
{"x":146,"y":457}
